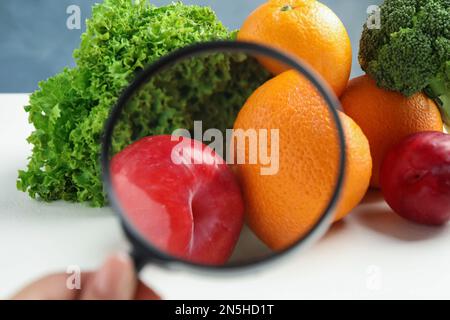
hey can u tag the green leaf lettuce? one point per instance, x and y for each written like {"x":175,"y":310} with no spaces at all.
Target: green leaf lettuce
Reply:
{"x":122,"y":37}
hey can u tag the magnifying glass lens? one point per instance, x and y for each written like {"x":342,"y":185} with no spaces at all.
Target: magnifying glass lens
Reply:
{"x":215,"y":161}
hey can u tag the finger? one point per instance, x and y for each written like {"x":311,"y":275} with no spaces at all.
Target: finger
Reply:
{"x":52,"y":287}
{"x":115,"y":280}
{"x":145,"y":293}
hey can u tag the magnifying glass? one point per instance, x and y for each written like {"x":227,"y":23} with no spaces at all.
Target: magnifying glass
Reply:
{"x":211,"y":162}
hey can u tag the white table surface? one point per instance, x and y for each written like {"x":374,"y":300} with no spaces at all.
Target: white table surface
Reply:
{"x":373,"y":254}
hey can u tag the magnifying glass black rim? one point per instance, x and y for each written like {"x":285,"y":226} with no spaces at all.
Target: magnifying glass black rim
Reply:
{"x":145,"y":253}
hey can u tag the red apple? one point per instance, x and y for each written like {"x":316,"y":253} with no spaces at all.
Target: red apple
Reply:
{"x":415,"y":178}
{"x":187,"y":208}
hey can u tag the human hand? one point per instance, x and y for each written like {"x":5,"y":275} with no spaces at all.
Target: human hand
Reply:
{"x":115,"y":280}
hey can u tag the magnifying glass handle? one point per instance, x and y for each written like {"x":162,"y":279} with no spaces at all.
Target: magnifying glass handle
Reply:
{"x":139,"y":262}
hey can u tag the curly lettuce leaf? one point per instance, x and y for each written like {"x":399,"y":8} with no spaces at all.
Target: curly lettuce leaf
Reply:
{"x":122,"y":37}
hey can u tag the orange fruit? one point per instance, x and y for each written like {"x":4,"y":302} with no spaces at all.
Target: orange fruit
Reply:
{"x":387,"y":117}
{"x":358,"y":167}
{"x":306,"y":29}
{"x":284,"y":206}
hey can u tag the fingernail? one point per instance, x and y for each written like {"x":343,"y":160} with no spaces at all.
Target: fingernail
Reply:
{"x":116,"y":279}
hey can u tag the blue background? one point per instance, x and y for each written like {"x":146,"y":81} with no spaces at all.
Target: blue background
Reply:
{"x":35,"y":42}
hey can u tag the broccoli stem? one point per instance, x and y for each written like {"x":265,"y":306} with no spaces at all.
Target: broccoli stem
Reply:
{"x":440,"y":92}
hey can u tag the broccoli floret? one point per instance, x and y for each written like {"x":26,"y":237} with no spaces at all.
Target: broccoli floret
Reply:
{"x":410,"y":53}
